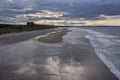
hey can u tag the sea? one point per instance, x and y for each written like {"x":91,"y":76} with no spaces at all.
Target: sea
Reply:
{"x":106,"y":43}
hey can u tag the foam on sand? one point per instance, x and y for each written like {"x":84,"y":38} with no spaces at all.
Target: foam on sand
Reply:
{"x":106,"y":48}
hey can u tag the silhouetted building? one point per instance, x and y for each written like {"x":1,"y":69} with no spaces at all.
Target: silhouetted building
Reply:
{"x":31,"y":24}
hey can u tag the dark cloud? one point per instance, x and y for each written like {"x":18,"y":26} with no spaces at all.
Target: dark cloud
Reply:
{"x":88,"y":9}
{"x":91,"y":11}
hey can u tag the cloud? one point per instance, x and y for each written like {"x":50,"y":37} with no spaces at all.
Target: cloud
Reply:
{"x":17,"y":11}
{"x":104,"y":20}
{"x":46,"y":14}
{"x":21,"y":10}
{"x":10,"y":0}
{"x":108,"y":17}
{"x":72,"y":22}
{"x":42,"y":15}
{"x":112,"y":22}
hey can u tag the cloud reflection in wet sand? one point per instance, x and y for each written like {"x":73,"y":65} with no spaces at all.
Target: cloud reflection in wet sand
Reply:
{"x":54,"y":69}
{"x":64,"y":71}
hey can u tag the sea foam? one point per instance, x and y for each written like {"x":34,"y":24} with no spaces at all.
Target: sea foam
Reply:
{"x":106,"y":47}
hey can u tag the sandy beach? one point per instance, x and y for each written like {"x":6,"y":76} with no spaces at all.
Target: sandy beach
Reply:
{"x":48,"y":55}
{"x":22,"y":36}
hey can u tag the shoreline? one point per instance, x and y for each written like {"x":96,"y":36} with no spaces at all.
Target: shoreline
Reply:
{"x":85,"y":53}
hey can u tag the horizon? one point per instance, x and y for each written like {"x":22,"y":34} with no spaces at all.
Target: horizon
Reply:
{"x":61,"y":12}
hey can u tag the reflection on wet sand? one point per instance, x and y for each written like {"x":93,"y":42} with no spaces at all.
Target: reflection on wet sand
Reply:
{"x":64,"y":71}
{"x":53,"y":69}
{"x":30,"y":60}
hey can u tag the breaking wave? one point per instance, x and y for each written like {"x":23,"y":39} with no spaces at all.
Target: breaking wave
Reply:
{"x":107,"y":48}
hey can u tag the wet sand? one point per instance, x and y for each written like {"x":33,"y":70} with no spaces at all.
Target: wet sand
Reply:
{"x":48,"y":59}
{"x":54,"y":37}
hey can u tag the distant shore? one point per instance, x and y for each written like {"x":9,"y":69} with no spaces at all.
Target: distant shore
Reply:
{"x":6,"y":28}
{"x":11,"y":28}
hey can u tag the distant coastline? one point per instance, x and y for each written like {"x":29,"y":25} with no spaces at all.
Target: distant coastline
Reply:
{"x":30,"y":26}
{"x":11,"y":28}
{"x":93,"y":26}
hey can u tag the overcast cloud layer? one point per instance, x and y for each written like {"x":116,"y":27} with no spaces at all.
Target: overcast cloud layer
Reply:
{"x":17,"y":11}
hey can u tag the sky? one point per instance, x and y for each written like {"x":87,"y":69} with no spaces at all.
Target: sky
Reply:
{"x":61,"y":12}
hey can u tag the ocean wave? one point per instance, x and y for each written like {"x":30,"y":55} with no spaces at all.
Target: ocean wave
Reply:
{"x":106,"y":47}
